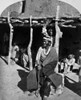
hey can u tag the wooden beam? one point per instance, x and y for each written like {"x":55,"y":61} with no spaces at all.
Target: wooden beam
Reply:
{"x":11,"y":37}
{"x":29,"y":46}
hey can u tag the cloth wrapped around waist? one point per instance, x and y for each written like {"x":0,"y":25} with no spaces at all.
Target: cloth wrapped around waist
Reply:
{"x":48,"y":71}
{"x":49,"y":68}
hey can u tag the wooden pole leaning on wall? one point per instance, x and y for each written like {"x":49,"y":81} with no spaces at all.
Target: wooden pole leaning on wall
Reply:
{"x":29,"y":46}
{"x":10,"y":38}
{"x":58,"y":31}
{"x":57,"y":35}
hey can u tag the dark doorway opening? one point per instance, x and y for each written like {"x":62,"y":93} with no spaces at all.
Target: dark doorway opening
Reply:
{"x":70,"y":43}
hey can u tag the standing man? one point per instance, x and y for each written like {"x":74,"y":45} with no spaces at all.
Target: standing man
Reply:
{"x":48,"y":57}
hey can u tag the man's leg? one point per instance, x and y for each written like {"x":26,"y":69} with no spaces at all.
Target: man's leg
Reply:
{"x":71,"y":67}
{"x":45,"y":90}
{"x":44,"y":98}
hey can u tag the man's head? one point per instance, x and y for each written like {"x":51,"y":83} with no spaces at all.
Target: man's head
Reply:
{"x":50,"y":31}
{"x":46,"y":43}
{"x":71,"y":56}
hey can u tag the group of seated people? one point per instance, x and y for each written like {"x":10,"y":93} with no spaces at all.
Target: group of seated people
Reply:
{"x":70,"y":64}
{"x":20,"y":56}
{"x":66,"y":65}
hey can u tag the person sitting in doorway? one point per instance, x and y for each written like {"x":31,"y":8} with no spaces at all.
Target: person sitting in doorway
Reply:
{"x":70,"y":62}
{"x":15,"y":50}
{"x":79,"y":62}
{"x":24,"y":58}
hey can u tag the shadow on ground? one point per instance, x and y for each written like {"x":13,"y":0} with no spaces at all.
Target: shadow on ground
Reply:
{"x":23,"y":83}
{"x":75,"y":87}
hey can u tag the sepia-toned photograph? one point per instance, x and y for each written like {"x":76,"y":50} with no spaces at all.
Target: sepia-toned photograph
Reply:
{"x":40,"y":49}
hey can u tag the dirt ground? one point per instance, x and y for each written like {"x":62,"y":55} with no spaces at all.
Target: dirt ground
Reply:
{"x":13,"y":85}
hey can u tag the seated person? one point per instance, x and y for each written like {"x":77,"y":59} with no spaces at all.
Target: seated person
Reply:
{"x":25,"y":59}
{"x":79,"y":62}
{"x":65,"y":65}
{"x":70,"y":62}
{"x":15,"y":50}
